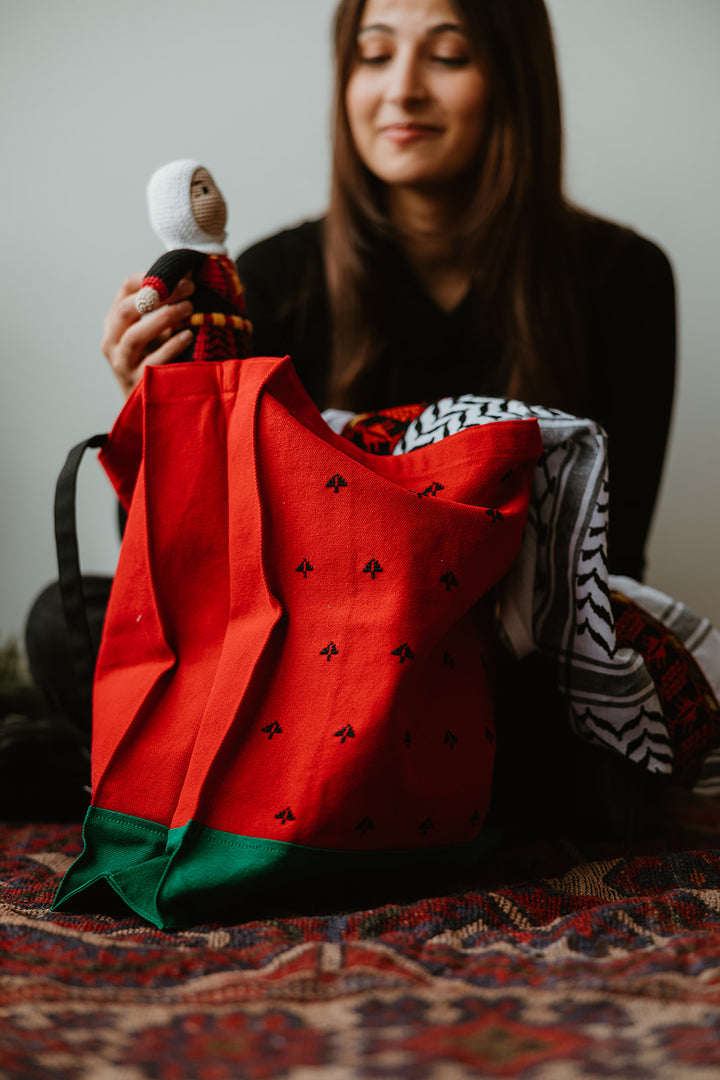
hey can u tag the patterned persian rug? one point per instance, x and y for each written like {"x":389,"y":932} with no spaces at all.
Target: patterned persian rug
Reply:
{"x":557,"y":964}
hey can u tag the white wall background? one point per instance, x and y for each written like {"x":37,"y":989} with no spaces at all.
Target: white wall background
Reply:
{"x":94,"y":95}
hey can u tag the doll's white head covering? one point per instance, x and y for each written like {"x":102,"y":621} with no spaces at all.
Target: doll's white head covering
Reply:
{"x":170,"y":209}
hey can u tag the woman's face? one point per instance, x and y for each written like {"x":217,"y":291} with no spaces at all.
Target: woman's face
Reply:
{"x":416,"y":97}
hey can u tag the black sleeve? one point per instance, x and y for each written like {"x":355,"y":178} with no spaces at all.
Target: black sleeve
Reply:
{"x":632,"y":380}
{"x":286,"y":302}
{"x":174,"y":264}
{"x":267,"y":281}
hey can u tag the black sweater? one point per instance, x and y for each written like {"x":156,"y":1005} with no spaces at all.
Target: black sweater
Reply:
{"x":626,"y":290}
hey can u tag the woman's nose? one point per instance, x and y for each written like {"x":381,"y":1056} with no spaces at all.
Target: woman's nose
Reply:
{"x":406,"y":83}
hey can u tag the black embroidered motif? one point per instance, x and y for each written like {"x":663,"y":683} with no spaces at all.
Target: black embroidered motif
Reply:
{"x":426,"y":826}
{"x":450,"y":739}
{"x":365,"y":825}
{"x":489,"y":735}
{"x":408,"y":738}
{"x":285,"y":815}
{"x":496,"y":515}
{"x":304,"y":568}
{"x":404,"y":652}
{"x":329,"y":651}
{"x":372,"y":568}
{"x":449,"y":581}
{"x":273,"y":729}
{"x":430,"y":490}
{"x":347,"y":732}
{"x":449,"y":660}
{"x":336,"y":482}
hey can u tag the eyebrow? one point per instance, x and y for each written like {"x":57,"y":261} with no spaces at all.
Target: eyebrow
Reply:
{"x":383,"y":28}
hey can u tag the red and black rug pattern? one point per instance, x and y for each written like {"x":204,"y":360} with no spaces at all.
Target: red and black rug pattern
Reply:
{"x":608,"y":967}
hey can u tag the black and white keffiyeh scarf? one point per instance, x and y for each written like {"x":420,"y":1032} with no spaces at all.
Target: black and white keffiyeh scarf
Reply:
{"x":557,"y":597}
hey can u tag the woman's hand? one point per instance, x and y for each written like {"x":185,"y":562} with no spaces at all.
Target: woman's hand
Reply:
{"x":130,"y":342}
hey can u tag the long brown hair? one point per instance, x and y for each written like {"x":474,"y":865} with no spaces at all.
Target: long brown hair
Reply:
{"x":516,"y":234}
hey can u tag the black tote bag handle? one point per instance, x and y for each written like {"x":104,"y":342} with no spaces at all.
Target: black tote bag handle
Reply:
{"x":82,"y":650}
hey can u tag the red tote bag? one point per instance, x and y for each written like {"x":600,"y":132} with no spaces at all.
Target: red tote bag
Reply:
{"x":295,"y":676}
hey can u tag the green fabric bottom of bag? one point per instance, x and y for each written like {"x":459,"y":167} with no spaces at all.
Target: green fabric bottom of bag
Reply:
{"x":181,"y":877}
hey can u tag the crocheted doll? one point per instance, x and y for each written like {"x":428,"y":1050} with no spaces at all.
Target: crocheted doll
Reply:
{"x":188,"y":214}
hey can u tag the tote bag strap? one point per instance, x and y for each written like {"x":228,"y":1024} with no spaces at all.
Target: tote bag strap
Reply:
{"x":70,"y":579}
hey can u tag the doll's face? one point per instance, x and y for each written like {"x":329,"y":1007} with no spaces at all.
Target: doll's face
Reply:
{"x":208,"y":205}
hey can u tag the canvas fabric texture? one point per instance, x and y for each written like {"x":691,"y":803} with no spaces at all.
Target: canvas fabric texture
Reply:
{"x":292,"y":623}
{"x":557,"y":597}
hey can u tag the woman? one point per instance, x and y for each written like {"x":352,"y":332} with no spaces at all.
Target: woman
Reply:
{"x":449,"y":261}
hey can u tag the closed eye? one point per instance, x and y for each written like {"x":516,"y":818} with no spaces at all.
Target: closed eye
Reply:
{"x":444,"y":61}
{"x":452,"y":61}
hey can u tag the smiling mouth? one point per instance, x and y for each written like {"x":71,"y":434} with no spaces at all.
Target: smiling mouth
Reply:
{"x":409,"y":132}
